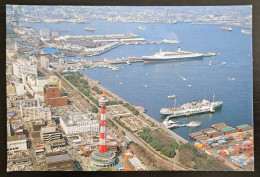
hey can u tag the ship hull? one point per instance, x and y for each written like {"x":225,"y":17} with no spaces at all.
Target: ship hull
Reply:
{"x":159,"y":60}
{"x":218,"y":106}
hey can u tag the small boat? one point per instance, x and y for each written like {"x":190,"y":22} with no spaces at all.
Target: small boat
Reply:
{"x":245,"y":31}
{"x":210,"y":63}
{"x":115,"y":69}
{"x":121,"y":83}
{"x":170,"y":124}
{"x":231,"y":78}
{"x":189,"y":85}
{"x":89,"y":29}
{"x":141,"y":27}
{"x":223,"y":63}
{"x":146,"y":74}
{"x":213,"y":54}
{"x":170,"y":41}
{"x":226,"y":28}
{"x":128,"y":62}
{"x":145,"y":86}
{"x":193,"y":124}
{"x":173,"y":122}
{"x":210,"y":54}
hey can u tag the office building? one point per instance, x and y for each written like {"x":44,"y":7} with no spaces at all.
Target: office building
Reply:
{"x":24,"y":67}
{"x":79,"y":123}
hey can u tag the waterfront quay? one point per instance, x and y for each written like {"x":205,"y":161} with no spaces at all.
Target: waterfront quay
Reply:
{"x":81,"y":64}
{"x":171,"y":133}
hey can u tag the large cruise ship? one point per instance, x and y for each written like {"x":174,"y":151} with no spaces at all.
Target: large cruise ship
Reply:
{"x":192,"y":108}
{"x":172,"y":56}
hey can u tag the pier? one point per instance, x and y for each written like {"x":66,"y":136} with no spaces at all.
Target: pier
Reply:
{"x":75,"y":65}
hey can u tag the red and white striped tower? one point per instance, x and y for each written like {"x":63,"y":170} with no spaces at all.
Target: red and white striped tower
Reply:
{"x":102,"y":142}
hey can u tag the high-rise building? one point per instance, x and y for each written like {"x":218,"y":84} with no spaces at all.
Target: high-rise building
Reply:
{"x":55,"y":34}
{"x":45,"y":32}
{"x":45,"y":62}
{"x":53,"y":97}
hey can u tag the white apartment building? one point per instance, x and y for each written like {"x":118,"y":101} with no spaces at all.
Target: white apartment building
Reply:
{"x":24,"y":67}
{"x":16,"y":143}
{"x":31,"y":110}
{"x":20,"y":89}
{"x":35,"y":85}
{"x":79,"y":123}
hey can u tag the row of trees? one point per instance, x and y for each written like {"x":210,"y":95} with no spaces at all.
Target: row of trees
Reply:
{"x":82,"y":85}
{"x":97,"y":90}
{"x":131,"y":108}
{"x":166,"y":149}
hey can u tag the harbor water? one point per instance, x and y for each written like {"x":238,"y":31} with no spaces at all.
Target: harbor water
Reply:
{"x":148,"y":85}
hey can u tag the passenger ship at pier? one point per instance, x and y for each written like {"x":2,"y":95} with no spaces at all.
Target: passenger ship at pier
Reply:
{"x":178,"y":55}
{"x":191,"y":108}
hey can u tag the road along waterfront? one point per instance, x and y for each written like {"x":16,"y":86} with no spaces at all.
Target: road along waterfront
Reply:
{"x":167,"y":161}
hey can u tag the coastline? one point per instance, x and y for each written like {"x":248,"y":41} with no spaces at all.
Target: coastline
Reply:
{"x":171,"y":133}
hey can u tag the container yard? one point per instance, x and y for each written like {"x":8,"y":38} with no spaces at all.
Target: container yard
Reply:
{"x":234,"y":147}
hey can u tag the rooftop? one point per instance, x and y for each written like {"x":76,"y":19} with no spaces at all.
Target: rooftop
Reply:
{"x":58,"y":158}
{"x":76,"y":117}
{"x":136,"y":163}
{"x":15,"y":138}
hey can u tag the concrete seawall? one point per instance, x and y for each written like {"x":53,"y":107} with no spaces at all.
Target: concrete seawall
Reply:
{"x":171,"y":133}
